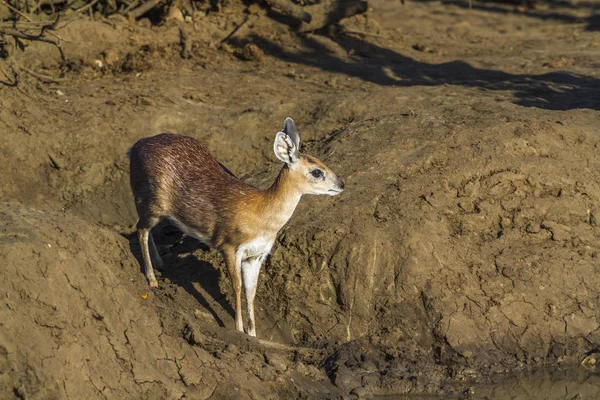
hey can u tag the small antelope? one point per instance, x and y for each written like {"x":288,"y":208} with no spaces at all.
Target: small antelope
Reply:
{"x":176,"y":177}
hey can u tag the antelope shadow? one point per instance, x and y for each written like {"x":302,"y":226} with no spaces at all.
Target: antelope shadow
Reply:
{"x":183,"y":268}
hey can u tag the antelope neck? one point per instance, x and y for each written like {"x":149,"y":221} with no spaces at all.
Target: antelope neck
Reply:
{"x":280,"y":200}
{"x":284,"y":187}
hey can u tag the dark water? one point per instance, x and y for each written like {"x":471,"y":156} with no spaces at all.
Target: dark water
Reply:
{"x":575,"y":383}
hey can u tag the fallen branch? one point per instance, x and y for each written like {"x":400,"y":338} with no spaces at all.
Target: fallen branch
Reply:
{"x":39,"y":37}
{"x":131,"y":6}
{"x":144,"y":8}
{"x":23,"y":30}
{"x":329,"y":13}
{"x":291,"y":9}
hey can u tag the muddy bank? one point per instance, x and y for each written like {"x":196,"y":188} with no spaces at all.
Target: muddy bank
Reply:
{"x":466,"y":242}
{"x":77,"y":323}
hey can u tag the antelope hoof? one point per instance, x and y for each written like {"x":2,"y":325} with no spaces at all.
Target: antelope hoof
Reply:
{"x":153,"y":283}
{"x":252,"y":333}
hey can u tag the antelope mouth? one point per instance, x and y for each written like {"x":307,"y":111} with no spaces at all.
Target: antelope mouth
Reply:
{"x":335,"y":191}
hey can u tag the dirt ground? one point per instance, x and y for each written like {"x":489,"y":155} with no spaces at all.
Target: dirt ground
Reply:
{"x":465,"y":244}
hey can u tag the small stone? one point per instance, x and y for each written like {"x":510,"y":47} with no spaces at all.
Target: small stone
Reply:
{"x":145,"y":23}
{"x":266,"y":374}
{"x":532,"y":228}
{"x":309,"y":371}
{"x":466,"y":205}
{"x":175,"y":14}
{"x":231,"y":348}
{"x":422,"y":48}
{"x":192,"y":335}
{"x":276,"y":361}
{"x":254,"y":9}
{"x":227,"y":48}
{"x":345,"y":379}
{"x":146,"y":101}
{"x":559,"y":232}
{"x":111,"y":57}
{"x":590,"y":362}
{"x":361,"y":392}
{"x":20,"y":392}
{"x":319,"y":235}
{"x":331,"y":82}
{"x":369,"y":366}
{"x":252,"y":52}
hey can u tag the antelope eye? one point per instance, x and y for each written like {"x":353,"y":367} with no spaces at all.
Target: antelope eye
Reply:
{"x":316,"y":173}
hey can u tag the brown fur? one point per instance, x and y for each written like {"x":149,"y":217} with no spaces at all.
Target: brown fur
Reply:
{"x":176,"y":176}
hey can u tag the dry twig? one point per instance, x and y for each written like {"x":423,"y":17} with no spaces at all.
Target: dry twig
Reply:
{"x":14,"y":81}
{"x":86,"y":7}
{"x":236,"y":30}
{"x":32,"y":31}
{"x":363,"y":33}
{"x":42,"y":77}
{"x":144,"y":8}
{"x":11,"y":8}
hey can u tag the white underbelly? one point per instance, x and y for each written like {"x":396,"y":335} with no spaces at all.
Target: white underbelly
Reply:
{"x":190,"y":231}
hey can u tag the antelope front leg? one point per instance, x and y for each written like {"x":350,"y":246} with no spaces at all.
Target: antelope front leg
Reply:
{"x":251,"y":269}
{"x":234,"y":267}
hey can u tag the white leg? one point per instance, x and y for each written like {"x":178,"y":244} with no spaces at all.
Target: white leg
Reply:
{"x":250,"y":271}
{"x":143,"y":238}
{"x":234,"y":266}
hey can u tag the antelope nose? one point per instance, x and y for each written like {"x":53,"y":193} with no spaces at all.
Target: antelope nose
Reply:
{"x":341,"y":184}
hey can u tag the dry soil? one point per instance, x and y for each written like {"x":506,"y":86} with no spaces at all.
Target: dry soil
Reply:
{"x":466,"y":243}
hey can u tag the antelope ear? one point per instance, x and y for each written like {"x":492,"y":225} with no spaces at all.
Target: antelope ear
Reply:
{"x":285,"y":148}
{"x":289,"y":128}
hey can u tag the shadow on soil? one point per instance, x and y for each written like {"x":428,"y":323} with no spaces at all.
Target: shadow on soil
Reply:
{"x":382,"y":66}
{"x":557,"y":10}
{"x":183,"y":268}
